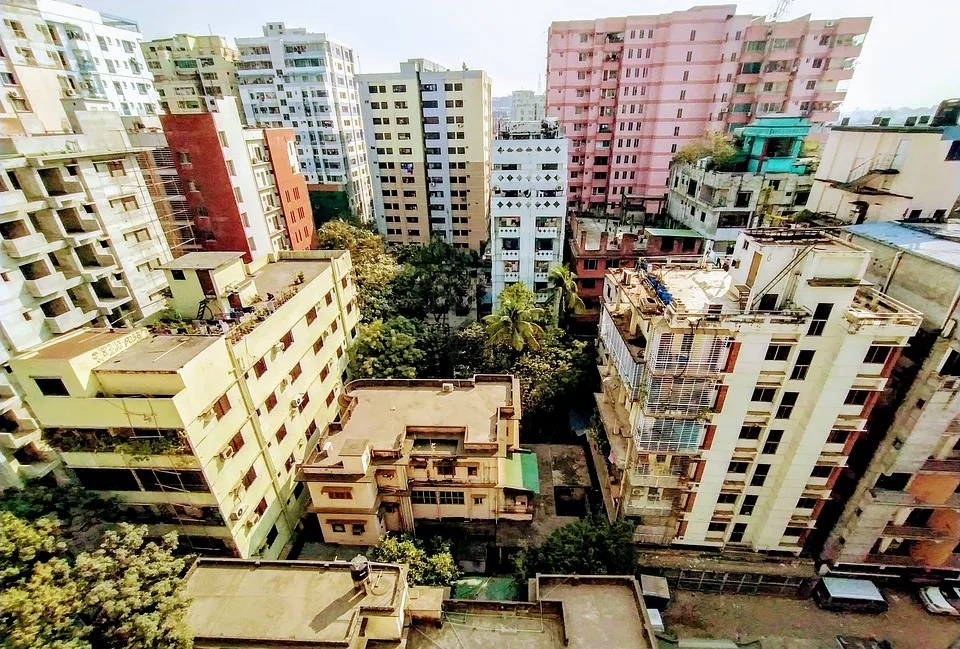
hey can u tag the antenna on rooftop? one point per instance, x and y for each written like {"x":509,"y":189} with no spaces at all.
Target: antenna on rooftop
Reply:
{"x":779,"y":10}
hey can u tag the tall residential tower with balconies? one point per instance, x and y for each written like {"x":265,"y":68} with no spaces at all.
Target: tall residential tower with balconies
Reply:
{"x":631,"y":91}
{"x":293,"y":78}
{"x":731,"y":400}
{"x":192,"y":72}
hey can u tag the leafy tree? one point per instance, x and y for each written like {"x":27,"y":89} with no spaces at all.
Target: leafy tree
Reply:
{"x":435,"y":567}
{"x":374,"y":268}
{"x":386,"y":350}
{"x":563,"y":283}
{"x":434,"y":280}
{"x":591,"y":546}
{"x":127,"y":593}
{"x":714,"y":145}
{"x":518,"y":293}
{"x":515,"y":326}
{"x":329,"y":206}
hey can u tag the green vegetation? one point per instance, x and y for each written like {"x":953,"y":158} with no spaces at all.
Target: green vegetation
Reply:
{"x":431,"y":565}
{"x":714,"y":145}
{"x":591,"y":546}
{"x":516,"y":322}
{"x":331,"y":206}
{"x":125,"y":593}
{"x":565,"y":299}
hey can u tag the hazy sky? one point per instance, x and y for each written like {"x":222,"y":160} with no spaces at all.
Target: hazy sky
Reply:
{"x":909,"y":58}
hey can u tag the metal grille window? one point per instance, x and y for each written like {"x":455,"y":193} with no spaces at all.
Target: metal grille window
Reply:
{"x":628,"y":369}
{"x":667,"y":435}
{"x":677,"y":394}
{"x":452,"y":498}
{"x":688,"y":354}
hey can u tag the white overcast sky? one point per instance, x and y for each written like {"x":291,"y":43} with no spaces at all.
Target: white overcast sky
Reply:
{"x":909,"y":58}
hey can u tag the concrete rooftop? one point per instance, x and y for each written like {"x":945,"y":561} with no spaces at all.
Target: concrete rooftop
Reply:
{"x":274,"y":602}
{"x":202,"y":260}
{"x":158,"y":354}
{"x":280,"y":275}
{"x":598,"y":613}
{"x":920,"y":241}
{"x":383,"y":412}
{"x":79,"y":342}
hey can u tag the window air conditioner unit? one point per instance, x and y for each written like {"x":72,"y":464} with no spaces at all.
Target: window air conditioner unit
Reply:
{"x":253,"y":520}
{"x":830,"y":23}
{"x":238,"y":513}
{"x":279,"y":347}
{"x":227,"y":453}
{"x":296,"y":401}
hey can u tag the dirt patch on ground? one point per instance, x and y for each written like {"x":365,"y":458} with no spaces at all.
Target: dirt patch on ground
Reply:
{"x":748,"y":617}
{"x":569,"y":464}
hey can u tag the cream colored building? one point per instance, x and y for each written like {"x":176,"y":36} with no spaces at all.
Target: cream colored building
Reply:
{"x":888,"y":173}
{"x":428,"y":133}
{"x":731,"y":399}
{"x":408,"y":449}
{"x":197,"y":426}
{"x":192,"y":72}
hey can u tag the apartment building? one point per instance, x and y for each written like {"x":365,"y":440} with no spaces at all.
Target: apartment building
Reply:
{"x":631,"y":91}
{"x":731,"y":399}
{"x":428,"y":131}
{"x":196,"y":425}
{"x":292,"y":78}
{"x":901,"y":518}
{"x":527,"y":106}
{"x":57,"y":49}
{"x":890,"y":172}
{"x":243,"y":186}
{"x":408,"y":449}
{"x":764,"y":187}
{"x":528,"y":204}
{"x":192,"y":72}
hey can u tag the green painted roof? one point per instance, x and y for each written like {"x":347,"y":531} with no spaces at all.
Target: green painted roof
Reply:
{"x":522,"y":472}
{"x":672,"y":232}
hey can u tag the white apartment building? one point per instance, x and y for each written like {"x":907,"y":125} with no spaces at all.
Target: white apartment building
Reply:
{"x":55,"y":49}
{"x":731,"y":400}
{"x":303,"y":80}
{"x":527,"y":106}
{"x":82,"y":244}
{"x":428,"y":131}
{"x":192,"y":72}
{"x":528,"y":204}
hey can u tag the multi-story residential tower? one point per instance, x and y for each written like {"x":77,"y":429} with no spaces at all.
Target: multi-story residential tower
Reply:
{"x":528,"y":205}
{"x":631,"y":91}
{"x":901,"y":519}
{"x":526,"y":106}
{"x":731,"y":399}
{"x":296,"y":79}
{"x":192,"y":72}
{"x":764,"y":187}
{"x":428,"y":133}
{"x":198,"y":426}
{"x":56,"y":49}
{"x":408,"y":449}
{"x":890,"y":172}
{"x":82,"y":244}
{"x":243,"y":185}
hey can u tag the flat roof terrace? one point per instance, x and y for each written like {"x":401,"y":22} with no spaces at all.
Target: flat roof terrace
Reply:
{"x":279,"y":276}
{"x":158,"y":354}
{"x":384,"y":410}
{"x":285,"y":602}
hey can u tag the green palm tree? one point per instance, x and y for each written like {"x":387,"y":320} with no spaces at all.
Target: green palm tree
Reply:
{"x":515,"y":325}
{"x":563,"y":283}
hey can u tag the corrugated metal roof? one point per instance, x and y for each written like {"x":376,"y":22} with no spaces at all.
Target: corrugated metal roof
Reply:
{"x":913,"y":241}
{"x":852,"y":588}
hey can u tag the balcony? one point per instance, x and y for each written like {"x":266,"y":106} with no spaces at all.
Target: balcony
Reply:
{"x":19,"y":438}
{"x":544,"y":254}
{"x":26,"y":246}
{"x":510,"y":254}
{"x":47,"y":285}
{"x":37,"y":469}
{"x":69,"y":320}
{"x":652,"y":480}
{"x":13,"y":198}
{"x":917,"y":532}
{"x":627,"y":356}
{"x":647,"y":507}
{"x":873,"y":311}
{"x":940,"y":466}
{"x":506,"y":231}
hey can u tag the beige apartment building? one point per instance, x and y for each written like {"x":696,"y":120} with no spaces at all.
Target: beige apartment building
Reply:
{"x":408,"y":449}
{"x":197,"y":424}
{"x":903,"y":517}
{"x":428,"y":132}
{"x":192,"y":72}
{"x":731,"y":399}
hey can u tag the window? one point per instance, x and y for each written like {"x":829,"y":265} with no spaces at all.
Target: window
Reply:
{"x":221,"y":407}
{"x":746,"y":507}
{"x":717,"y":527}
{"x":953,"y":154}
{"x":773,"y":442}
{"x":820,"y":316}
{"x":260,"y":367}
{"x":338,"y":527}
{"x":777,"y":353}
{"x":764,"y":394}
{"x":737,"y":467}
{"x":340,"y":494}
{"x":726,"y":499}
{"x":236,"y":443}
{"x":590,"y":264}
{"x":358,"y":529}
{"x":287,"y":339}
{"x":804,"y":358}
{"x":452,"y":498}
{"x":472,"y":471}
{"x":787,"y":403}
{"x":249,"y":477}
{"x":318,"y":345}
{"x":271,"y":402}
{"x":423,"y":497}
{"x":856,"y":397}
{"x":281,"y":433}
{"x":295,"y":372}
{"x":311,"y":315}
{"x":877,"y":354}
{"x":750,"y":432}
{"x":821,"y":471}
{"x":52,"y":387}
{"x":739,"y":529}
{"x":806,"y":503}
{"x":838,"y":436}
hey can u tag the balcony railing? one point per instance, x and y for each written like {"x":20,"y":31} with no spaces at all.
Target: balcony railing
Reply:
{"x":629,"y":368}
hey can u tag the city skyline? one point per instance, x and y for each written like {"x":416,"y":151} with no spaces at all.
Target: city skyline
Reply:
{"x":454,"y":35}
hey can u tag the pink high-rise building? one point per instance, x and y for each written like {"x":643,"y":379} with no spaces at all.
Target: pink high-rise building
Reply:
{"x":631,"y":91}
